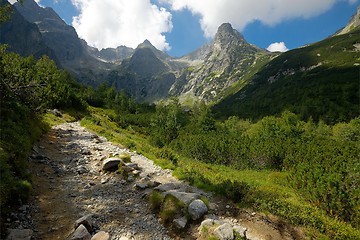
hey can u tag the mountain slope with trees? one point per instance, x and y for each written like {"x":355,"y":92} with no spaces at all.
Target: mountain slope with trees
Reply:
{"x":319,"y":81}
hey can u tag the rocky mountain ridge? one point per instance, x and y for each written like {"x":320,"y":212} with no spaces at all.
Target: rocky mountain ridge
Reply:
{"x":227,"y":61}
{"x":145,"y":73}
{"x":211,"y":73}
{"x":13,"y":33}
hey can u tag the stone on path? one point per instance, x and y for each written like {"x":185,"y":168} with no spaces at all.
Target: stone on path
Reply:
{"x":87,"y":221}
{"x":224,"y":232}
{"x":180,"y":223}
{"x":240,"y":230}
{"x":184,"y":197}
{"x":197,"y":209}
{"x":101,"y":236}
{"x":111,"y":164}
{"x":142,"y":185}
{"x":19,"y":234}
{"x":81,"y":233}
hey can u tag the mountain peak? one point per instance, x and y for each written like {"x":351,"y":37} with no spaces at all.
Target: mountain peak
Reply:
{"x":227,"y":36}
{"x":146,"y":43}
{"x":226,"y":30}
{"x":225,"y":27}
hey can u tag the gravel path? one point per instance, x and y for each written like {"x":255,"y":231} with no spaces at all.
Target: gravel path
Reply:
{"x":68,"y":183}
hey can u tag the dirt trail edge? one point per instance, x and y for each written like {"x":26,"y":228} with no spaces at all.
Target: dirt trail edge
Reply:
{"x":68,"y":184}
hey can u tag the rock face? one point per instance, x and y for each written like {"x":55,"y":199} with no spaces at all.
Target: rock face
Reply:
{"x":197,"y":209}
{"x":227,"y":61}
{"x":114,"y":55}
{"x":145,"y":73}
{"x":62,"y":38}
{"x":13,"y":32}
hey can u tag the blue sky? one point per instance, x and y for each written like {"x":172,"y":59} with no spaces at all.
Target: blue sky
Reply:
{"x":181,"y":26}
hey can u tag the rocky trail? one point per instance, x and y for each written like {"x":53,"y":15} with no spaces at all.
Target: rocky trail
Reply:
{"x":70,"y":188}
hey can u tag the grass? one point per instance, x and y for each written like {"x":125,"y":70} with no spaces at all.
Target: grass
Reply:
{"x":155,"y":201}
{"x":268,"y":191}
{"x":171,"y":207}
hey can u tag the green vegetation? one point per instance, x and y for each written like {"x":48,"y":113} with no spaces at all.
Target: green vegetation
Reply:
{"x":320,"y":81}
{"x":276,"y":165}
{"x":28,"y":87}
{"x":297,"y":157}
{"x":155,"y":201}
{"x":171,"y":208}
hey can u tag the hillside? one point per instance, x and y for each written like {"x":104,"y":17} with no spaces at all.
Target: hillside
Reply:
{"x":320,"y":81}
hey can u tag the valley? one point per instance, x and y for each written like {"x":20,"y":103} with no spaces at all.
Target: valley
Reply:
{"x":266,"y":142}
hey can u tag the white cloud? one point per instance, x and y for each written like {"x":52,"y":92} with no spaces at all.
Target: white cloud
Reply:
{"x":110,"y":23}
{"x":277,"y":47}
{"x":242,"y":12}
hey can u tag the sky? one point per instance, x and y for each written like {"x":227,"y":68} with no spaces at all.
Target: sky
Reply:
{"x":181,"y":26}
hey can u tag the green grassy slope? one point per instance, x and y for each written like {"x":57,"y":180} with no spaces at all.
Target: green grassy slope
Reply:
{"x":319,"y":81}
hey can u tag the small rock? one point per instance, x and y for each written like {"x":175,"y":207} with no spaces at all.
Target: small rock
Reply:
{"x":207,"y":223}
{"x":101,"y":236}
{"x":197,"y":209}
{"x":132,"y":165}
{"x":184,"y":197}
{"x":19,"y":234}
{"x":81,"y":170}
{"x":240,"y":230}
{"x":87,"y":221}
{"x":86,"y":152}
{"x":111,"y":164}
{"x":180,"y":223}
{"x":81,"y":233}
{"x":224,"y":232}
{"x":142,"y":185}
{"x":104,"y":180}
{"x":56,"y":112}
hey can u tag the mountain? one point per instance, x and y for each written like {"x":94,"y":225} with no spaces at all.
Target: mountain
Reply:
{"x":227,"y":60}
{"x":69,"y":50}
{"x":353,"y":23}
{"x":147,"y":75}
{"x":12,"y":33}
{"x":319,"y":81}
{"x":61,"y":37}
{"x":113,"y":55}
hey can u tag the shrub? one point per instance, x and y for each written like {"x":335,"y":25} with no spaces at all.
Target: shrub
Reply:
{"x":167,"y":153}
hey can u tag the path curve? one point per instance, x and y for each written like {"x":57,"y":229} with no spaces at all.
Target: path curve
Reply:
{"x":68,"y":184}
